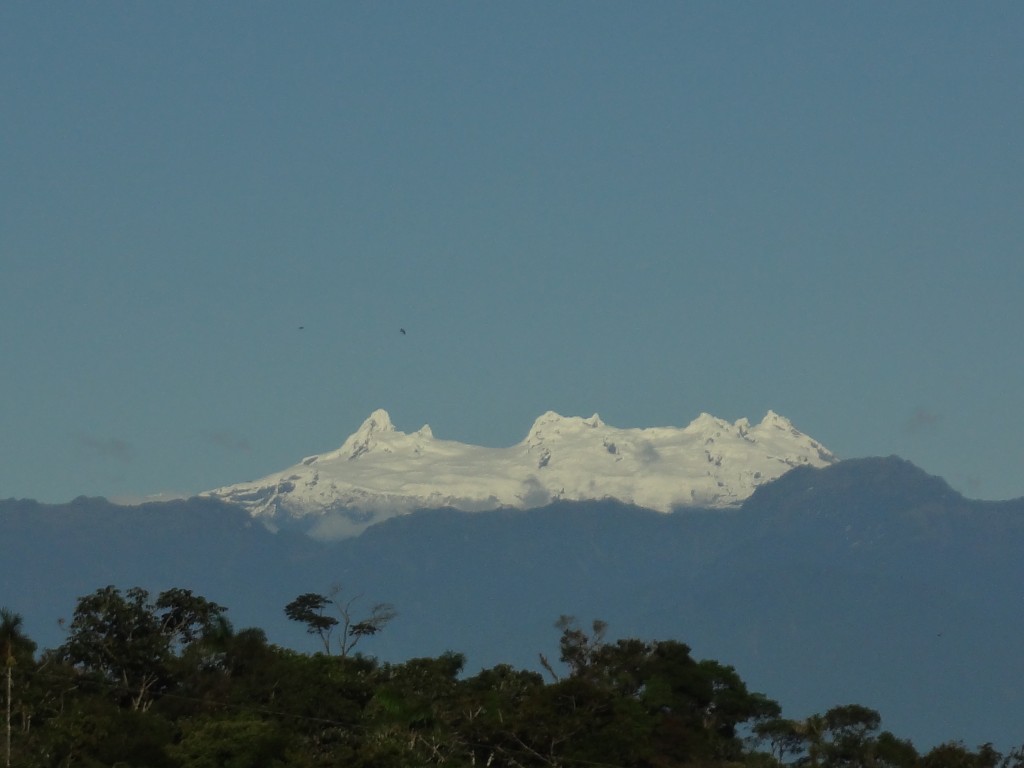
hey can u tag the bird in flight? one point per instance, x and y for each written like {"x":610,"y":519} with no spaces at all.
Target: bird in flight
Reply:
{"x":402,"y":331}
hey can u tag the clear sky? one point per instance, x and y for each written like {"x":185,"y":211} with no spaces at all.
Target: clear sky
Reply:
{"x":215,"y":218}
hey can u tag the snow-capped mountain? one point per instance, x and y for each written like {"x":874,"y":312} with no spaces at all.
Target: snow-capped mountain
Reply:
{"x":380,"y":472}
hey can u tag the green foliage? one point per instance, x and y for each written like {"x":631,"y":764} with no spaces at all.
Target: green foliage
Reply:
{"x":240,"y":742}
{"x":953,"y":754}
{"x":784,"y":737}
{"x":843,"y":737}
{"x":15,"y":646}
{"x":92,"y":731}
{"x":126,"y":639}
{"x":16,"y":650}
{"x":891,"y":752}
{"x":169,"y":683}
{"x":851,"y":727}
{"x":309,"y":609}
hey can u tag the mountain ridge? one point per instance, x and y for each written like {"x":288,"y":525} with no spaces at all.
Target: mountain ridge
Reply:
{"x":875,"y":587}
{"x":379,"y":471}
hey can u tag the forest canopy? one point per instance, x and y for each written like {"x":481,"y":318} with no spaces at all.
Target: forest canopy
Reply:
{"x":168,"y":682}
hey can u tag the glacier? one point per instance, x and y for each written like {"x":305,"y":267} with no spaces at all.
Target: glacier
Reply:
{"x":381,"y":472}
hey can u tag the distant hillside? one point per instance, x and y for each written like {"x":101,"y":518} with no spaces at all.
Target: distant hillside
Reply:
{"x":55,"y":553}
{"x":868,"y":581}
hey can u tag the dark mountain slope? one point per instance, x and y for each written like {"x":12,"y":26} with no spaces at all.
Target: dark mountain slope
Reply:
{"x":868,"y":581}
{"x":53,"y":554}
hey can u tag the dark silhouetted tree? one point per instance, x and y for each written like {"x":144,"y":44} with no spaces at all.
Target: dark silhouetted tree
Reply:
{"x":311,"y":609}
{"x":15,"y":648}
{"x":124,"y":638}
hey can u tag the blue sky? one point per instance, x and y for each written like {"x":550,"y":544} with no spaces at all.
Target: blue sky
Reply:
{"x":641,"y":210}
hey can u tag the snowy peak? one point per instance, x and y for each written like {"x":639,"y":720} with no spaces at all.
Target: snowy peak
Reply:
{"x":552,"y":426}
{"x":378,"y":421}
{"x":380,"y":472}
{"x":772,"y":419}
{"x":364,"y":439}
{"x":377,"y":433}
{"x":706,"y":424}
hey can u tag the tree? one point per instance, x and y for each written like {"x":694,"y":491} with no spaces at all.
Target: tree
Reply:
{"x":578,"y":649}
{"x":185,"y":617}
{"x":124,"y":638}
{"x":699,"y":704}
{"x":487,"y":709}
{"x":232,"y":742}
{"x":812,"y":730}
{"x":954,"y":754}
{"x":843,"y":737}
{"x":851,"y":727}
{"x":14,"y":645}
{"x":626,"y":697}
{"x":309,"y":609}
{"x":412,"y":712}
{"x":892,"y":752}
{"x":783,"y":736}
